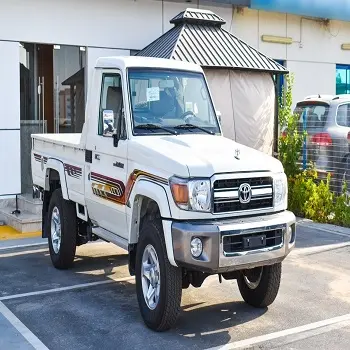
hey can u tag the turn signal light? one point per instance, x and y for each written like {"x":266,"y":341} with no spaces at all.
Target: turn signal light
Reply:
{"x":180,"y":193}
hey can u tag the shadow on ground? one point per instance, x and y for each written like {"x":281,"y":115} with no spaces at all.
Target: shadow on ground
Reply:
{"x":31,"y":270}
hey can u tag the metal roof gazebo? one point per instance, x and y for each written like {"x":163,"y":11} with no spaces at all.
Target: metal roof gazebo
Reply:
{"x":240,"y":77}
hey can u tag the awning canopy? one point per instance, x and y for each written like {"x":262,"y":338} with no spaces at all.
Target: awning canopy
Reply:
{"x":198,"y":37}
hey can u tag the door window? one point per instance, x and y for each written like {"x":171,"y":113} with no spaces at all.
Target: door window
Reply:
{"x":343,"y":115}
{"x":111,"y":106}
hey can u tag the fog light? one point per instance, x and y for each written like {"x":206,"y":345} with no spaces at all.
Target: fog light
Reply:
{"x":196,"y":247}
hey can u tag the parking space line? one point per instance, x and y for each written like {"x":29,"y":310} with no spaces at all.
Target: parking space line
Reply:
{"x":326,"y":230}
{"x":68,"y":288}
{"x":21,"y":328}
{"x":315,"y":250}
{"x":23,"y":246}
{"x":291,"y":331}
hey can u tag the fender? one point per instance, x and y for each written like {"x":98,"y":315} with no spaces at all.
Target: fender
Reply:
{"x":156,"y":192}
{"x":57,"y":165}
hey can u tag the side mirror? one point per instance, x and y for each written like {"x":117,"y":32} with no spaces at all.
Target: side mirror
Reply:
{"x":117,"y":134}
{"x":218,"y":115}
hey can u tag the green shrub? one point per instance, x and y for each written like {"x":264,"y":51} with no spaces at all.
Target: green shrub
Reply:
{"x":342,"y":209}
{"x":291,"y":141}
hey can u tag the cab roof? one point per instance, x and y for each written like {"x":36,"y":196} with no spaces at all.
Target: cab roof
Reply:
{"x":124,"y":62}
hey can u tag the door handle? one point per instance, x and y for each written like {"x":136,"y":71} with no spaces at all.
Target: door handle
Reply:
{"x":97,"y":156}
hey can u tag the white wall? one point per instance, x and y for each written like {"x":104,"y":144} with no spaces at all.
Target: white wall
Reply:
{"x":312,"y":78}
{"x":313,"y":55}
{"x":10,"y":174}
{"x":103,"y":23}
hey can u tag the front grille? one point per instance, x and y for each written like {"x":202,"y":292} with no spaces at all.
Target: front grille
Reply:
{"x":226,"y":194}
{"x":235,"y":243}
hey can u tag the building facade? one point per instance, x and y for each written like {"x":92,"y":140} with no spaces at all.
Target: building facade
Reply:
{"x":48,"y":50}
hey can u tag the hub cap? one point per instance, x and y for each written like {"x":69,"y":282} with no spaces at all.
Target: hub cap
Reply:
{"x":252,"y":277}
{"x":150,"y":275}
{"x":56,"y":230}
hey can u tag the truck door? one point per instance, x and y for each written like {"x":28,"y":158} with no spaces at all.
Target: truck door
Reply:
{"x":106,"y":167}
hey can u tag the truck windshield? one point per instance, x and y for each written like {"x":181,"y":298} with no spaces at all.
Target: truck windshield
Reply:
{"x":170,"y":99}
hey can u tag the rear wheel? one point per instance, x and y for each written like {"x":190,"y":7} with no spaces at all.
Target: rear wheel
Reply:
{"x":158,"y":283}
{"x":259,"y":287}
{"x":345,"y":178}
{"x":62,"y":231}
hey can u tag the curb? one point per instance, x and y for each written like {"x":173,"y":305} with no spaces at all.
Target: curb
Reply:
{"x":8,"y":233}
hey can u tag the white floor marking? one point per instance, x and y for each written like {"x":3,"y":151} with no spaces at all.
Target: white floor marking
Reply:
{"x":271,"y":336}
{"x":314,"y":250}
{"x":68,"y":288}
{"x":23,"y":246}
{"x":6,"y":254}
{"x":21,"y":328}
{"x":327,"y":230}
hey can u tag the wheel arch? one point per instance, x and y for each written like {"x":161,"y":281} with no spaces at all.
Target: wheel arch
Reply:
{"x":55,"y":172}
{"x":149,"y":199}
{"x":54,"y":178}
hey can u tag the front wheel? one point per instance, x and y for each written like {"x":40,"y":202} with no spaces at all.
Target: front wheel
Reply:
{"x":158,"y":283}
{"x":259,"y":286}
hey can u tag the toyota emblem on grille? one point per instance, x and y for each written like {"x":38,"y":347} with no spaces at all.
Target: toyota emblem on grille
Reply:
{"x":245,"y":193}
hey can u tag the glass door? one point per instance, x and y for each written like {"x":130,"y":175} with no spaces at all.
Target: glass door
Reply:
{"x":69,"y":85}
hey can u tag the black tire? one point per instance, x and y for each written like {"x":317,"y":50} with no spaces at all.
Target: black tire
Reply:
{"x":344,"y":176}
{"x":265,"y":293}
{"x":63,"y":259}
{"x":165,"y":314}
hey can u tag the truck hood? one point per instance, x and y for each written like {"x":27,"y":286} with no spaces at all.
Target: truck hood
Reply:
{"x":203,"y":155}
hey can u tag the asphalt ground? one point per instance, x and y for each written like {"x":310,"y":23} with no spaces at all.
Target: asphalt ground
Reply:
{"x":94,"y":304}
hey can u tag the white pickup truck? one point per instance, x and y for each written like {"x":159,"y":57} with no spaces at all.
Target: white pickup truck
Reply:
{"x":152,"y":173}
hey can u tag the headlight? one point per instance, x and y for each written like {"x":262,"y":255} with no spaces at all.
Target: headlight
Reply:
{"x":191,"y":194}
{"x":280,"y":192}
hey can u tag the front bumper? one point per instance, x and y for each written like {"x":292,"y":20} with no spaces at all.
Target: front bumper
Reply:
{"x":216,"y":258}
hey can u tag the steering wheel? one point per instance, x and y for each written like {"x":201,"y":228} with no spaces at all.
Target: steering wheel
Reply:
{"x":187,"y":116}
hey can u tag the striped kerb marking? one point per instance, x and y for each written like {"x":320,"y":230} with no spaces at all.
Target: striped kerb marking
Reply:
{"x":114,"y":190}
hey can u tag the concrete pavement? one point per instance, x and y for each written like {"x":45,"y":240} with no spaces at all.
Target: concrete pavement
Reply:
{"x":94,"y":305}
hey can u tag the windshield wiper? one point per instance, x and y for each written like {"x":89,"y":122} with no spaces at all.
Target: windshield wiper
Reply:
{"x":192,"y":126}
{"x":150,"y":126}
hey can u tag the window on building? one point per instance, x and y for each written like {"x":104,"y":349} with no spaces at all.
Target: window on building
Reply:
{"x":342,"y":79}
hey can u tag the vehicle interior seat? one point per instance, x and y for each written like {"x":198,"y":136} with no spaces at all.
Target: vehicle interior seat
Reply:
{"x":114,"y":102}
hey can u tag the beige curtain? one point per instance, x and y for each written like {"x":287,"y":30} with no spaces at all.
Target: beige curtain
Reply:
{"x":246,"y":101}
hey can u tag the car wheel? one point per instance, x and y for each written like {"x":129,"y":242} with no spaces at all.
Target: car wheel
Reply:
{"x":158,"y":283}
{"x":62,"y":230}
{"x":259,"y":286}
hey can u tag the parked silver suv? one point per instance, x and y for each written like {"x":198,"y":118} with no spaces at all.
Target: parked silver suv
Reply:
{"x":326,"y":120}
